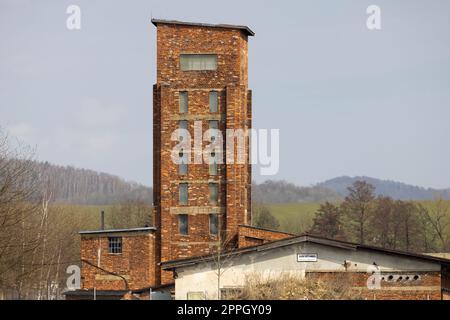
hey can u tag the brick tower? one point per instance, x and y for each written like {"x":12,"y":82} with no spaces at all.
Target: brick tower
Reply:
{"x":202,"y":83}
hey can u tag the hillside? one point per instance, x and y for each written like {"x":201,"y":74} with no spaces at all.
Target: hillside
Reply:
{"x":272,"y":191}
{"x":82,"y":186}
{"x":396,"y":190}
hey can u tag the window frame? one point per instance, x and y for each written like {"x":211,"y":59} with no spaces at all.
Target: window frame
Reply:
{"x":115,"y":245}
{"x":216,"y":185}
{"x":185,"y":65}
{"x":216,"y":216}
{"x":181,"y":187}
{"x":180,"y":108}
{"x":185,"y":224}
{"x":216,"y":93}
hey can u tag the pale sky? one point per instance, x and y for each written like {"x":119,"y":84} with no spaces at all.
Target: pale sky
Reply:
{"x":347,"y":100}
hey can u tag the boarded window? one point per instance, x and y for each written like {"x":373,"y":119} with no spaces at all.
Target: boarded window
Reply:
{"x":183,"y":224}
{"x":115,"y":245}
{"x":183,"y":189}
{"x":213,"y":194}
{"x":213,"y":101}
{"x":198,"y":62}
{"x":183,"y":102}
{"x":213,"y":224}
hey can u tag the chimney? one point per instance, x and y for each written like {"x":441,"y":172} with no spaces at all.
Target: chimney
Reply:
{"x":102,"y":220}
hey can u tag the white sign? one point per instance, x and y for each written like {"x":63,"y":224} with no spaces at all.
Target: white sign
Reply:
{"x":306,"y":257}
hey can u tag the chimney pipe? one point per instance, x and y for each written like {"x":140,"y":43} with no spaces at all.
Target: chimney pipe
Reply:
{"x":102,"y":220}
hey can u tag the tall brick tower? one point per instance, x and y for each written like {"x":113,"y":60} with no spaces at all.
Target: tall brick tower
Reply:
{"x":202,"y":82}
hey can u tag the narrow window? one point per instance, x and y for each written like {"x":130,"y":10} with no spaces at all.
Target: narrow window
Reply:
{"x":213,"y":101}
{"x":214,"y":127}
{"x":213,"y":194}
{"x":183,"y":166}
{"x":183,"y":126}
{"x":198,"y":62}
{"x":183,"y":189}
{"x":183,"y":102}
{"x":213,"y":224}
{"x":183,"y":224}
{"x":213,"y":124}
{"x":213,"y":164}
{"x":115,"y":245}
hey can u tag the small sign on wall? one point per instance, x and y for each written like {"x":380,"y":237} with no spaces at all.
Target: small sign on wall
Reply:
{"x":307,"y":257}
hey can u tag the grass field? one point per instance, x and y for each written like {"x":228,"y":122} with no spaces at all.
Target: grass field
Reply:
{"x":302,"y":214}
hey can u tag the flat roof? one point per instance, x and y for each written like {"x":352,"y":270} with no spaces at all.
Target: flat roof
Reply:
{"x":246,"y":29}
{"x":169,"y":265}
{"x":142,"y":229}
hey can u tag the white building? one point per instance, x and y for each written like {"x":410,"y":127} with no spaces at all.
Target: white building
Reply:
{"x":402,"y":275}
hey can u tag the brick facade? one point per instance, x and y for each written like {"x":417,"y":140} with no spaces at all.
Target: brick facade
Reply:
{"x":253,"y":236}
{"x":427,"y":286}
{"x":135,"y":267}
{"x":234,"y":112}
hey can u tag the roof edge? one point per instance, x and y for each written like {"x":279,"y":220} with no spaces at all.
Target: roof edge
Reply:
{"x":117,"y":230}
{"x":266,"y":229}
{"x":246,"y":29}
{"x":172,"y":264}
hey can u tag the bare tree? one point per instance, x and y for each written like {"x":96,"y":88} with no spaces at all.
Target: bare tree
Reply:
{"x":438,"y":217}
{"x":358,"y":205}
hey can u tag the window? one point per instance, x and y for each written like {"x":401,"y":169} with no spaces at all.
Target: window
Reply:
{"x":183,"y":102}
{"x":213,"y":124}
{"x":183,"y":166}
{"x":115,"y":245}
{"x":213,"y":194}
{"x":213,"y":224}
{"x":198,"y":62}
{"x":183,"y":189}
{"x":213,"y":101}
{"x":183,"y":224}
{"x":192,"y":295}
{"x":214,"y":127}
{"x":183,"y":130}
{"x":213,"y":164}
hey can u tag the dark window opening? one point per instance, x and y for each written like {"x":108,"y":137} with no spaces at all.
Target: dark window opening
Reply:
{"x":213,"y":224}
{"x":115,"y":245}
{"x":183,"y":224}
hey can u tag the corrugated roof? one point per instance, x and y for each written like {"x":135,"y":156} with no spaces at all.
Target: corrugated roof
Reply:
{"x":246,"y":29}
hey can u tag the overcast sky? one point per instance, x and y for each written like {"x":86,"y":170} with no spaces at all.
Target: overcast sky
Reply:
{"x":347,"y":100}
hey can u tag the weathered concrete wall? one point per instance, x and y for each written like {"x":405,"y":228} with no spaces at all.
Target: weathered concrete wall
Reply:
{"x":203,"y":278}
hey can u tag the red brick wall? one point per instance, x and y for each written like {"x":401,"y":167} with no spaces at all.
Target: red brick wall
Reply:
{"x":252,"y":236}
{"x":230,"y":80}
{"x":427,"y":287}
{"x":136,"y":262}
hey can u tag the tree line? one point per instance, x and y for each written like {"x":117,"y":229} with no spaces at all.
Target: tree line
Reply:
{"x":39,"y":237}
{"x":365,"y":218}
